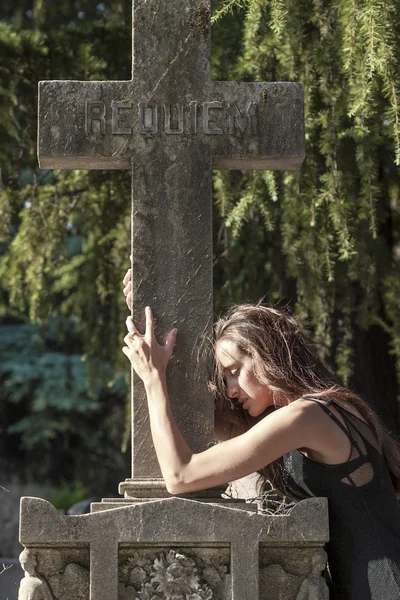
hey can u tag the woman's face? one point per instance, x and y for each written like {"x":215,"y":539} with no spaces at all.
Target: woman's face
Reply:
{"x":241,"y":381}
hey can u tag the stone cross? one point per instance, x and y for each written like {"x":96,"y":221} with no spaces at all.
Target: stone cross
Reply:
{"x":171,"y":125}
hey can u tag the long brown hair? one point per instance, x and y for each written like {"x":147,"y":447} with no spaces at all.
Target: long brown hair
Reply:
{"x":285,"y":360}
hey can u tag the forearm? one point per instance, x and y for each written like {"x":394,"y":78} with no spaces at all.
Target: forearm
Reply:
{"x":173,"y":452}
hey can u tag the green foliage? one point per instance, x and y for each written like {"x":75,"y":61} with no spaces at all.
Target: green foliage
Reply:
{"x":49,"y":405}
{"x":68,"y":494}
{"x":55,"y":383}
{"x":227,"y":7}
{"x":63,"y":239}
{"x":39,"y":270}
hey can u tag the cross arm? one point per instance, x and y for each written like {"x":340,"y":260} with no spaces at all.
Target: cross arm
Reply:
{"x":75,"y":131}
{"x":262,"y":125}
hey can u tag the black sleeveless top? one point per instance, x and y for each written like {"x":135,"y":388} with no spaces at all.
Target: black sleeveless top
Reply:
{"x":364,"y":514}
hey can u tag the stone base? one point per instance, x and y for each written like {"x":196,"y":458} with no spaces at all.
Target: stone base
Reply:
{"x":159,"y":548}
{"x":146,"y":490}
{"x":140,"y":489}
{"x":108,"y":503}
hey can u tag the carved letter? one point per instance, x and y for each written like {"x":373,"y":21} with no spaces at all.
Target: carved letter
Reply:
{"x":147,"y":109}
{"x":167,"y":111}
{"x":95,"y":111}
{"x":235,"y":116}
{"x":118,"y":119}
{"x":208,"y":119}
{"x":193,"y":117}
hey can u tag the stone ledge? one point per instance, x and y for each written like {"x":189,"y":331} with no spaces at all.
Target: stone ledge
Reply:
{"x":174,"y":519}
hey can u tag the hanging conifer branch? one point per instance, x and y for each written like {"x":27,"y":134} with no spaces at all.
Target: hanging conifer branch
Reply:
{"x":278,"y":17}
{"x":227,"y":7}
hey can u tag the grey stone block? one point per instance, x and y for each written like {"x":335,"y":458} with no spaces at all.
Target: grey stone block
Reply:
{"x":98,"y":542}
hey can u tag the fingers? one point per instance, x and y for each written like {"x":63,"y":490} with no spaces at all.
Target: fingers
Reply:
{"x":128,"y":278}
{"x":128,"y":339}
{"x":127,"y":288}
{"x":129,"y":300}
{"x":149,"y":323}
{"x":128,"y":294}
{"x":149,"y":332}
{"x":127,"y":281}
{"x":131,"y":327}
{"x":171,"y":339}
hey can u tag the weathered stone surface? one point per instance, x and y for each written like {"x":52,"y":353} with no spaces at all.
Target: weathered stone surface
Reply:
{"x":55,"y":574}
{"x":171,"y":125}
{"x":181,"y":573}
{"x":236,"y":539}
{"x":33,"y":586}
{"x":314,"y":587}
{"x":76,"y":138}
{"x":292,"y":575}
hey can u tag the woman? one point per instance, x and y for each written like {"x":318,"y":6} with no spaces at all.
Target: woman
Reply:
{"x":309,"y":435}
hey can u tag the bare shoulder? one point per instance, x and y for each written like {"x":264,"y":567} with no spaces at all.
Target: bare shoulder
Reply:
{"x":294,"y":416}
{"x":328,"y":443}
{"x":298,"y":411}
{"x":312,"y":430}
{"x":313,"y":407}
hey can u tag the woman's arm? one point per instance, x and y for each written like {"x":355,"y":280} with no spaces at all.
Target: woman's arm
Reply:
{"x":173,"y":452}
{"x":284,"y":430}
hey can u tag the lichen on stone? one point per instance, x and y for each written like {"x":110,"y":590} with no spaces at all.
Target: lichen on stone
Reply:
{"x":202,"y":18}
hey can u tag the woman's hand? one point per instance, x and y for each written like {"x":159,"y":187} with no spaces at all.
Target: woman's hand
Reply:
{"x":147,"y":357}
{"x":127,"y":281}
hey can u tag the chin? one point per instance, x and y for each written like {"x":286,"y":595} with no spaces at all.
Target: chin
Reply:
{"x":255,"y":413}
{"x":261,"y":411}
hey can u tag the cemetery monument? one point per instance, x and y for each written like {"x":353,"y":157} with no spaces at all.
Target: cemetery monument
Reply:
{"x":171,"y":125}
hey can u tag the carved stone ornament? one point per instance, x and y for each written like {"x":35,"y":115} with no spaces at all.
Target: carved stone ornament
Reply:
{"x":33,"y":586}
{"x":279,"y":584}
{"x":71,"y":584}
{"x":170,"y":576}
{"x":314,"y":587}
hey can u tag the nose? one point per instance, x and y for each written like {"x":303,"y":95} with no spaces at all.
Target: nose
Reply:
{"x":232,"y":388}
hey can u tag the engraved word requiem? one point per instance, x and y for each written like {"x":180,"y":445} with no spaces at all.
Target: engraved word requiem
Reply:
{"x":215,"y":118}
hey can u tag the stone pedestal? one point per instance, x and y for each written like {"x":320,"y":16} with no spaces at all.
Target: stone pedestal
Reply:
{"x":174,"y":549}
